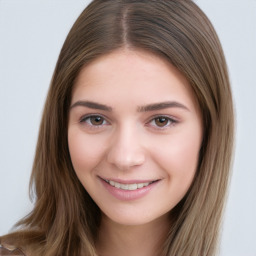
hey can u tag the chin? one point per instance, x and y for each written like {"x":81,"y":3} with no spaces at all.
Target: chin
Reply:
{"x":132,"y":219}
{"x":128,"y":221}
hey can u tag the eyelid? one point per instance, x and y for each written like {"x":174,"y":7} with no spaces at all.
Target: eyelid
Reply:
{"x":172,"y":121}
{"x":87,"y":116}
{"x":170,"y":118}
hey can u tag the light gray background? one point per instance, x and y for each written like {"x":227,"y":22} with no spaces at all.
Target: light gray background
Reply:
{"x":31,"y":35}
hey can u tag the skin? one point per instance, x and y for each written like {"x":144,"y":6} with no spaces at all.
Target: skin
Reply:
{"x":127,"y":141}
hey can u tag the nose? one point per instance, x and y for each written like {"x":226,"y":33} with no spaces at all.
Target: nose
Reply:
{"x":126,"y":149}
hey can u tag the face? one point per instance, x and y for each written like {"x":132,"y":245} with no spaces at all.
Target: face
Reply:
{"x":134,"y":135}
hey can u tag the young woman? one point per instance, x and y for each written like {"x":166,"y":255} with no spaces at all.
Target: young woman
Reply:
{"x":135,"y":144}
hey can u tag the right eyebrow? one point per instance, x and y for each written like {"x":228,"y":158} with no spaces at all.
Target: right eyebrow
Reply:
{"x":91,"y":104}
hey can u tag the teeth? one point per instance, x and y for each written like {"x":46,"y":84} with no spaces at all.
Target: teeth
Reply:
{"x":140,"y":185}
{"x":132,"y":186}
{"x":127,"y":186}
{"x":117,"y":185}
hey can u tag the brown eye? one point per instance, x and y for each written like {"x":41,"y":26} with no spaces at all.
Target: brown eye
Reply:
{"x":162,"y":121}
{"x":94,"y":120}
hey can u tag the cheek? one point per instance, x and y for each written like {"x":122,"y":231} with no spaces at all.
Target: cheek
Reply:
{"x":178,"y":156}
{"x":84,"y":151}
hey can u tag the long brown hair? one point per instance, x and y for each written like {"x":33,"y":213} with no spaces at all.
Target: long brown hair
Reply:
{"x":65,"y":219}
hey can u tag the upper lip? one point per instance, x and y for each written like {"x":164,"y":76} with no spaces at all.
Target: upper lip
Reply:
{"x":133,"y":181}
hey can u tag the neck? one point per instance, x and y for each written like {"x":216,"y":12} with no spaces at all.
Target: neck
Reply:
{"x":140,"y":240}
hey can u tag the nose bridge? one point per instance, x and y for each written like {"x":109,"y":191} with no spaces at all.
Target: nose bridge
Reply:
{"x":126,"y":148}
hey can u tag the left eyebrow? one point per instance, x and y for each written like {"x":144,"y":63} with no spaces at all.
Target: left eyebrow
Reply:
{"x":161,"y":105}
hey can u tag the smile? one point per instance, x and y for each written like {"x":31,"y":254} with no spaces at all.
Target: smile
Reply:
{"x":133,"y":186}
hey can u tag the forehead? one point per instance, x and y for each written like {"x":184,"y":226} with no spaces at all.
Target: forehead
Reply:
{"x":131,"y":74}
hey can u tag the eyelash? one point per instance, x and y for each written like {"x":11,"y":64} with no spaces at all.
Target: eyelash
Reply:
{"x":170,"y":121}
{"x":88,"y":121}
{"x":89,"y":118}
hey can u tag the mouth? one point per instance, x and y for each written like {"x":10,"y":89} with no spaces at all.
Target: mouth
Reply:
{"x":127,"y":190}
{"x":129,"y":186}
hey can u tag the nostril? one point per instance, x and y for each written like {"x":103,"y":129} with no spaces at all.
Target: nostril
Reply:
{"x":125,"y":161}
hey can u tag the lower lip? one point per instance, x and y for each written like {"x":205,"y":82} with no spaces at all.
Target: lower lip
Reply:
{"x":127,"y":195}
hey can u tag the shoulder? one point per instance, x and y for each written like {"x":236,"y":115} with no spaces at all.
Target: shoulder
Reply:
{"x":7,"y":250}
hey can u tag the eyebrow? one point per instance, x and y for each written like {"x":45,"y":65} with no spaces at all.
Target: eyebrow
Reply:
{"x":91,"y":104}
{"x":146,"y":108}
{"x":161,"y":105}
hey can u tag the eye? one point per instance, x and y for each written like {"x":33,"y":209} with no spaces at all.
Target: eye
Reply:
{"x":94,"y":120}
{"x":162,"y":122}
